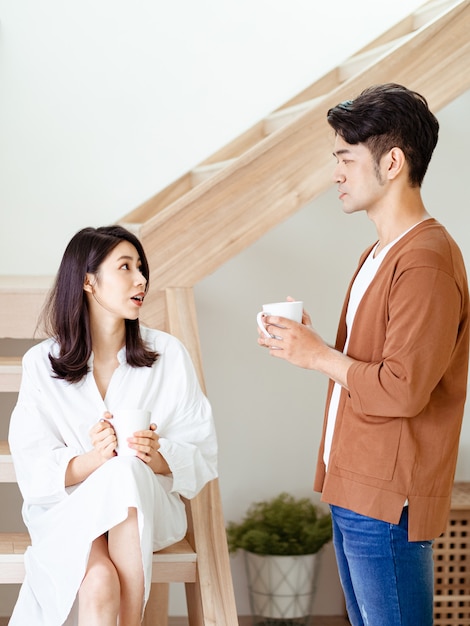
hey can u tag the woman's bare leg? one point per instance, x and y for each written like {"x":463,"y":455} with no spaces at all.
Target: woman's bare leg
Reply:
{"x":100,"y":589}
{"x":125,"y":553}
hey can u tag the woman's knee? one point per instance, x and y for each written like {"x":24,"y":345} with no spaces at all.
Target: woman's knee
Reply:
{"x":100,"y":587}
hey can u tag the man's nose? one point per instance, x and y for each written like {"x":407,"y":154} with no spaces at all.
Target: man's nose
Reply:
{"x":338,"y":176}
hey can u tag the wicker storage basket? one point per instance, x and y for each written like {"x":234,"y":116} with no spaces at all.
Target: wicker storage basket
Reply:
{"x":452,"y":564}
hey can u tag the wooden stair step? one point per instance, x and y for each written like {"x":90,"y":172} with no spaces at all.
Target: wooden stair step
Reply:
{"x":12,"y":548}
{"x":274,"y":121}
{"x":7,"y":471}
{"x":10,"y":373}
{"x":21,"y":301}
{"x":177,"y":563}
{"x":133,"y":227}
{"x":271,"y":123}
{"x":284,"y":116}
{"x":359,"y":62}
{"x":423,"y":15}
{"x":202,"y":172}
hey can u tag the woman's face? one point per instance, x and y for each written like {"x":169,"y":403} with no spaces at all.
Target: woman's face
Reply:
{"x":118,"y":287}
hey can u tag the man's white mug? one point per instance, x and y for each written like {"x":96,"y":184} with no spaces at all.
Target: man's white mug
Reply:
{"x":290,"y":310}
{"x":125,"y":423}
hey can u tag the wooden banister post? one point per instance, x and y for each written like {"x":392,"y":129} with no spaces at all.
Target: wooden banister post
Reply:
{"x":182,"y":323}
{"x":156,"y":611}
{"x":212,"y":594}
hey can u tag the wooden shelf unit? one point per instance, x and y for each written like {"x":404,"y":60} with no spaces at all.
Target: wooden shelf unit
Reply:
{"x":452,"y":563}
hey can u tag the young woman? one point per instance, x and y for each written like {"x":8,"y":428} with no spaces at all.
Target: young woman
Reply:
{"x":96,"y":517}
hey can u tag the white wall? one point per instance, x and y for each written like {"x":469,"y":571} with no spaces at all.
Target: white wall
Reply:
{"x":101,"y":105}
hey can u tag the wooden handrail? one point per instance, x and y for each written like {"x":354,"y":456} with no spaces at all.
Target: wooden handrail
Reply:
{"x":216,"y":220}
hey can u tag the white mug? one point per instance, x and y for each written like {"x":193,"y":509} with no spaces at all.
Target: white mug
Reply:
{"x":291,"y":310}
{"x":125,"y":423}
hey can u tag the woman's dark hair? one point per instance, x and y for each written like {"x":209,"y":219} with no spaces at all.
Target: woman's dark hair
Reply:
{"x":386,"y":116}
{"x":66,"y":316}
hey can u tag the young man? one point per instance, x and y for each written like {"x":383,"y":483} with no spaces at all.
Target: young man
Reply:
{"x":398,"y":369}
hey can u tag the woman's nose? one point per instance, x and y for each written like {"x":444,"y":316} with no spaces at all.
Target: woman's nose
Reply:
{"x":140,"y":279}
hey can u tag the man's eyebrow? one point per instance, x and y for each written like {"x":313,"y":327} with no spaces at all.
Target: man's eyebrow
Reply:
{"x":342,"y":151}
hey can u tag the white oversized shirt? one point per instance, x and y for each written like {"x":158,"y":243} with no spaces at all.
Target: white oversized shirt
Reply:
{"x":50,"y":425}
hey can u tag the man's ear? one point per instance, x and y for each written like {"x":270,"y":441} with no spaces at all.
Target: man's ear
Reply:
{"x":396,"y":162}
{"x":89,"y":283}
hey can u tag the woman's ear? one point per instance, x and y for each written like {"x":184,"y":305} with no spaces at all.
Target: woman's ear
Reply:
{"x":89,"y":283}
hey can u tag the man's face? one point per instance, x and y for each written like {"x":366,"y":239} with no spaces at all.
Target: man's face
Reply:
{"x":361,"y":182}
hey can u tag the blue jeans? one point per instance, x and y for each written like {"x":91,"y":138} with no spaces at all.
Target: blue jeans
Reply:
{"x":387,"y":580}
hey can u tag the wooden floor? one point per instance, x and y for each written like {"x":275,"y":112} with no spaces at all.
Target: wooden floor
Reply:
{"x":317,"y":620}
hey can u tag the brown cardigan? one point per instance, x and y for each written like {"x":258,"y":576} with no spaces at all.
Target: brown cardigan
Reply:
{"x":397,"y":429}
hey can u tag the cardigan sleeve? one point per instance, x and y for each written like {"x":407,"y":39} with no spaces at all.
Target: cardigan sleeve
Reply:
{"x":423,"y":314}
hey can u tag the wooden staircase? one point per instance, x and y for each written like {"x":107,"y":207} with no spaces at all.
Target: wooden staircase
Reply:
{"x":218,"y":209}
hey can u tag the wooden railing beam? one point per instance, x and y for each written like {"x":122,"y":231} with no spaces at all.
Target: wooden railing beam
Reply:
{"x":224,"y":215}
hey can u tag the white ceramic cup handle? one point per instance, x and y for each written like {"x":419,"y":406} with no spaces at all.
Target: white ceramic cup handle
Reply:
{"x":259,"y":319}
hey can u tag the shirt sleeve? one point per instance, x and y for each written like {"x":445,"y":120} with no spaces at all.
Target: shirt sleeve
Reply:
{"x":39,"y":453}
{"x":187,"y":439}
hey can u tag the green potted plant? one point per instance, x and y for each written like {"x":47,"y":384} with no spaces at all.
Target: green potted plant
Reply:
{"x":281,"y":539}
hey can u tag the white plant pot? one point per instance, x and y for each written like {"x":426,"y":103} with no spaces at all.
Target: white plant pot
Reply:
{"x":281,"y":587}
